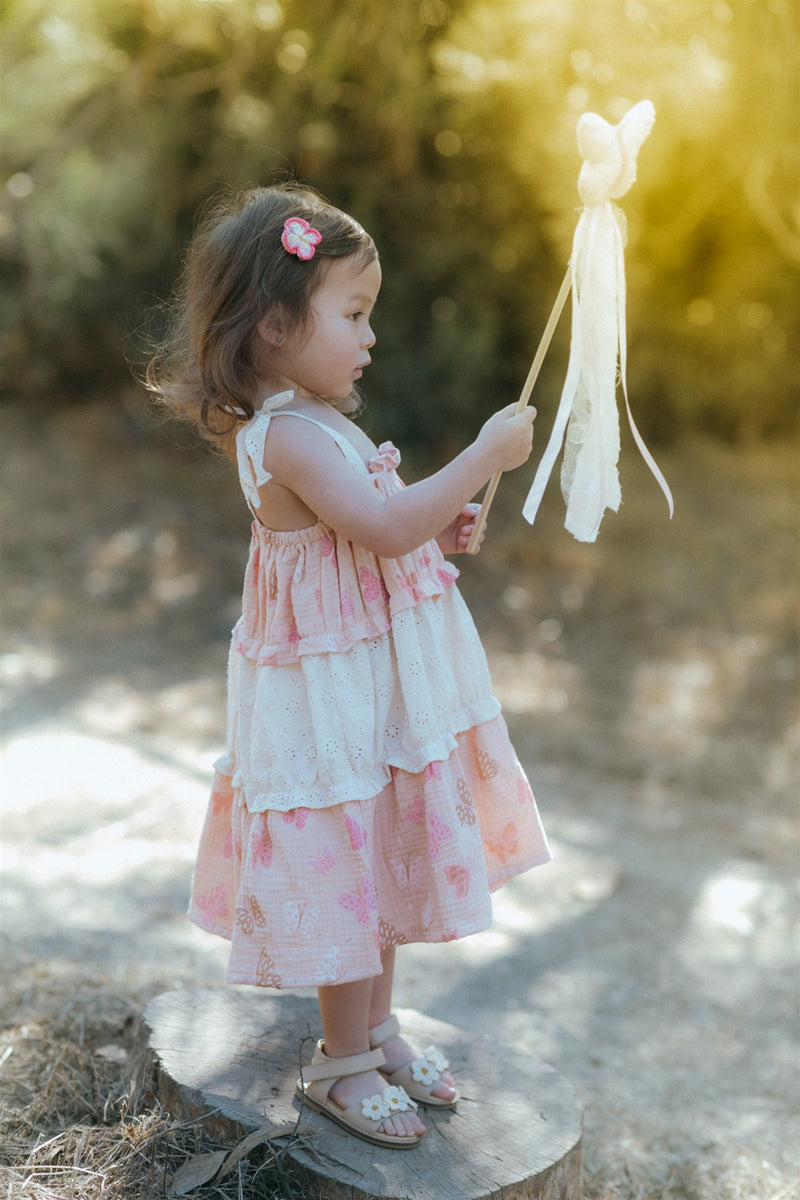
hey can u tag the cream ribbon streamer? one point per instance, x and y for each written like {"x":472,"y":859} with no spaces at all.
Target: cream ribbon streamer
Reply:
{"x":587,"y":412}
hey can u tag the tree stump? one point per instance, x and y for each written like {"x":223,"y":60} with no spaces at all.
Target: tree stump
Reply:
{"x":232,"y":1056}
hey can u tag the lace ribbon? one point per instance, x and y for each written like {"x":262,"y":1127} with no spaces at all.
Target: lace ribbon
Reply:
{"x":587,"y":412}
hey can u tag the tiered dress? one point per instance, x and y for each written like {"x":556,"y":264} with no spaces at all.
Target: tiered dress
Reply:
{"x":370,"y":795}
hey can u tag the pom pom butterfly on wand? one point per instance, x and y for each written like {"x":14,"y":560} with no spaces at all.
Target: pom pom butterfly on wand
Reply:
{"x":587,"y":412}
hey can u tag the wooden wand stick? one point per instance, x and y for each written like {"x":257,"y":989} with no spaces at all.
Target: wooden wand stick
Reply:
{"x":536,"y":366}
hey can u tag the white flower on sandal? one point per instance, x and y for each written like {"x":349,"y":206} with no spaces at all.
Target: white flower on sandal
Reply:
{"x":398,"y":1099}
{"x":423,"y":1071}
{"x":375,"y":1108}
{"x":436,"y":1057}
{"x":429,"y":1067}
{"x":391,"y":1100}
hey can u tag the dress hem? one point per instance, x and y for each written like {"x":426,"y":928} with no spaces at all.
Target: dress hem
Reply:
{"x":243,"y":980}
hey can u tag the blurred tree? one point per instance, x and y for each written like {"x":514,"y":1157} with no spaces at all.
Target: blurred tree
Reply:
{"x":448,"y":128}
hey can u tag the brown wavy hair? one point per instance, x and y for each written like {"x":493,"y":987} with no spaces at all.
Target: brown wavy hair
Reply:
{"x":207,"y":368}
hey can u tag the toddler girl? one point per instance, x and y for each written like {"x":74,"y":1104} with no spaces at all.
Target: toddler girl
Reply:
{"x":369,"y":796}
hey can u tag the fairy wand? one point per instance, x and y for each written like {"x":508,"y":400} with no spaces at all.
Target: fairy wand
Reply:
{"x":595,"y":277}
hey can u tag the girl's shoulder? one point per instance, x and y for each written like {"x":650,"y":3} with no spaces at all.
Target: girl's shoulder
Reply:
{"x":334,"y":427}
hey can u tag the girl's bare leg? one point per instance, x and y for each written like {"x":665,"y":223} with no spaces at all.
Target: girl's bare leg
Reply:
{"x":345,"y":1012}
{"x":397,"y":1050}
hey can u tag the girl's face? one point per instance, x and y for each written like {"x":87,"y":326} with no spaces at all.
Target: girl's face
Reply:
{"x":328,"y":359}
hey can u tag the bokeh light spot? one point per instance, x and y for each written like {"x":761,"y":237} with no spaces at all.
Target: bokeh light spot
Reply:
{"x":448,"y":143}
{"x":20,"y":185}
{"x":700,"y":311}
{"x":443,"y":309}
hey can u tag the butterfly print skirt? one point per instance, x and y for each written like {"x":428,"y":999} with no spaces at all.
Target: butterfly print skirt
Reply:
{"x":311,"y":896}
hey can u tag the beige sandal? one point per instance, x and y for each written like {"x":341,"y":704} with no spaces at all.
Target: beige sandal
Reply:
{"x":417,"y":1078}
{"x":360,"y":1119}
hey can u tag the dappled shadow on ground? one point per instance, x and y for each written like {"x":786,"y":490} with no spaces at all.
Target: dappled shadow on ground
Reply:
{"x":650,"y":685}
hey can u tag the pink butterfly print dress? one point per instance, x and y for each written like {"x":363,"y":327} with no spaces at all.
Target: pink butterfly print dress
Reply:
{"x":370,"y":795}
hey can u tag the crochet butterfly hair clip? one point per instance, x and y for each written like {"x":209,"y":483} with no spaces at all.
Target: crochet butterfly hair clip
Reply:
{"x":300,"y":238}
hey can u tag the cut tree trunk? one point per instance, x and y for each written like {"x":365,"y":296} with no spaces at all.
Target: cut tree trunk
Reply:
{"x":232,"y":1057}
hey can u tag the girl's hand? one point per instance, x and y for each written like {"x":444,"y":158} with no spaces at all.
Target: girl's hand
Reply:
{"x":508,"y":437}
{"x":455,"y":538}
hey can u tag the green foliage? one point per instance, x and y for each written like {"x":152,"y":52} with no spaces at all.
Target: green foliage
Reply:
{"x":448,"y":128}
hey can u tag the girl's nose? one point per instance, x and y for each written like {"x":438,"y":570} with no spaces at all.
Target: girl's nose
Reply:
{"x":369,"y":338}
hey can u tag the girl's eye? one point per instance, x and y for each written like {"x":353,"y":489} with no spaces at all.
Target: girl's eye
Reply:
{"x":355,"y":316}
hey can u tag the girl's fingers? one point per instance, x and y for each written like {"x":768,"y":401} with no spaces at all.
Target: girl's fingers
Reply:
{"x":466,"y":533}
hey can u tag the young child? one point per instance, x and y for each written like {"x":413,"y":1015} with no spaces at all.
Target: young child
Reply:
{"x":369,"y":796}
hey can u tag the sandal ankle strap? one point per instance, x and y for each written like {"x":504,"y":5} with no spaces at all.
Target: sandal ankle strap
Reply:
{"x":385,"y":1031}
{"x":323,"y":1067}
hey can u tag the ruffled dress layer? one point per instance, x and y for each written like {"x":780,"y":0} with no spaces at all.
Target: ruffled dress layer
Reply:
{"x":370,"y":795}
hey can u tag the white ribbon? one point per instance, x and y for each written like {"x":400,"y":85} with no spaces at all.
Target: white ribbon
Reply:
{"x":587,"y":412}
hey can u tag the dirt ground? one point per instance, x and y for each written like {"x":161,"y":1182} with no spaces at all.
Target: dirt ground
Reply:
{"x":650,"y":683}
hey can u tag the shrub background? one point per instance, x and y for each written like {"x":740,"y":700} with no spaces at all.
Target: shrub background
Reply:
{"x":448,"y":128}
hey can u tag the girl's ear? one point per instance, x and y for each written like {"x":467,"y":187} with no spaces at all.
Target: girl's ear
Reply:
{"x":271,"y":329}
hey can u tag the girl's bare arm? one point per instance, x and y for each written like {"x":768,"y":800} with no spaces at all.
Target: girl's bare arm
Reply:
{"x":308,"y":462}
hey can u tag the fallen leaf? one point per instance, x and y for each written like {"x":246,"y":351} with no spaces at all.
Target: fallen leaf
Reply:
{"x":196,"y":1171}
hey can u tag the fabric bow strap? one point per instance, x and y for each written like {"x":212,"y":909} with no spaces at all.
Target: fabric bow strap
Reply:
{"x":251,"y":443}
{"x":587,"y":411}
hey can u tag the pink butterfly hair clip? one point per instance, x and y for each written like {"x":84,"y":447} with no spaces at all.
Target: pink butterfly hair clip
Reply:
{"x":300,"y":238}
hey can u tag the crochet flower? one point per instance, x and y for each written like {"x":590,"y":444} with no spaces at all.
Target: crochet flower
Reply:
{"x":387,"y":459}
{"x":429,"y":1067}
{"x":375,"y":1108}
{"x":436,"y":1057}
{"x":424,"y":1071}
{"x":398,"y":1099}
{"x":300,"y":238}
